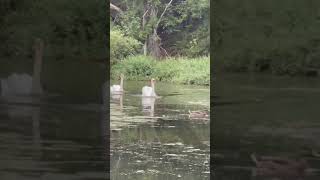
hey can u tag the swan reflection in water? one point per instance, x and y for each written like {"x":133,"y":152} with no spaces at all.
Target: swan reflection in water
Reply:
{"x":27,"y":112}
{"x":119,"y":99}
{"x":24,"y":88}
{"x":148,"y":105}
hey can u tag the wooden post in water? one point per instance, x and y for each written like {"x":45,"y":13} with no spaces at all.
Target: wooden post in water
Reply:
{"x":38,"y":55}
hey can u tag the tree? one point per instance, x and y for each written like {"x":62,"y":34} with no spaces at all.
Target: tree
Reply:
{"x":73,"y":29}
{"x":161,"y":24}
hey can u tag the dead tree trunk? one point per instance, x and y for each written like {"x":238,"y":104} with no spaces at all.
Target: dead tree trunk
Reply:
{"x":144,"y":21}
{"x":154,"y":41}
{"x":114,"y":7}
{"x":154,"y":45}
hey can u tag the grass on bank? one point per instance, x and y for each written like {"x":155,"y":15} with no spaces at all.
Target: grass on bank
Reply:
{"x":180,"y":70}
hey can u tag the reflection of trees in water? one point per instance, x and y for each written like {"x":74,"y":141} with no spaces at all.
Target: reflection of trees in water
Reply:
{"x":159,"y":145}
{"x":166,"y":143}
{"x":184,"y":132}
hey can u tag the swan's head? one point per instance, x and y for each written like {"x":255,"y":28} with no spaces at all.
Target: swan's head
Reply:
{"x":153,"y":80}
{"x":38,"y":43}
{"x":121,"y":76}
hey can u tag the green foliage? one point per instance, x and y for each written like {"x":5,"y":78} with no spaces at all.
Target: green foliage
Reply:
{"x":122,"y":46}
{"x":170,"y":70}
{"x":200,"y":68}
{"x":73,"y":29}
{"x":283,"y":63}
{"x":193,"y":32}
{"x":281,"y":38}
{"x":130,"y":24}
{"x":184,"y":28}
{"x":313,"y":59}
{"x":294,"y":61}
{"x":134,"y":67}
{"x":197,"y":44}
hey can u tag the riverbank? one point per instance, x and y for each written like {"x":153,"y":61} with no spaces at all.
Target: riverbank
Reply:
{"x":180,"y":70}
{"x":279,"y":65}
{"x":267,"y":39}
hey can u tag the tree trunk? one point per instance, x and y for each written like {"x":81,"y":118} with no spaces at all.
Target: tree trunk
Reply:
{"x":154,"y":45}
{"x":154,"y":42}
{"x":145,"y":50}
{"x":144,"y":21}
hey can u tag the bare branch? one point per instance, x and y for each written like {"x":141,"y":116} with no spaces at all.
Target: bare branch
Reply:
{"x":114,"y":7}
{"x":164,"y":11}
{"x":167,"y":55}
{"x":145,"y":13}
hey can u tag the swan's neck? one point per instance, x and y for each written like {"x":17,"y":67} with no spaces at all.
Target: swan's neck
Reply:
{"x":36,"y":86}
{"x":153,"y":87}
{"x":121,"y":84}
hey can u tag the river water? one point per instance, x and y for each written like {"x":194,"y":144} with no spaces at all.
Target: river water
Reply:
{"x":61,"y":135}
{"x":155,"y":139}
{"x":267,"y":116}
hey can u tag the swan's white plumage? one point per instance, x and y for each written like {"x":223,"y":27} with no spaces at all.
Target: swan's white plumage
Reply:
{"x":117,"y":89}
{"x":16,"y":84}
{"x":148,"y":91}
{"x":24,"y":84}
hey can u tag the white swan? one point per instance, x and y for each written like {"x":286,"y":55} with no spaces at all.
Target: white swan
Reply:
{"x":148,"y":91}
{"x":24,"y":84}
{"x":117,"y":89}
